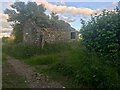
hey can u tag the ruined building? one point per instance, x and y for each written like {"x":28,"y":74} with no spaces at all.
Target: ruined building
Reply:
{"x":35,"y":34}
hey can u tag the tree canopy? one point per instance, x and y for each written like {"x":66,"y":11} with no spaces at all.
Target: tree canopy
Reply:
{"x":20,"y":11}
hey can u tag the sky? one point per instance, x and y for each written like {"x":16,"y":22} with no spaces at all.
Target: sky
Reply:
{"x":70,"y":11}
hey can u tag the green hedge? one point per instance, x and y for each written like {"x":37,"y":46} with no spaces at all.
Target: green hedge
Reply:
{"x":102,"y":34}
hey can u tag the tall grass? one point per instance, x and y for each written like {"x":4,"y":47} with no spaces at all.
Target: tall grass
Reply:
{"x":26,"y":50}
{"x":71,"y":60}
{"x":21,"y":50}
{"x":86,"y":69}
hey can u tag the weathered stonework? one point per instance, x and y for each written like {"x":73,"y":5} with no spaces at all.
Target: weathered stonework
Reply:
{"x":35,"y":34}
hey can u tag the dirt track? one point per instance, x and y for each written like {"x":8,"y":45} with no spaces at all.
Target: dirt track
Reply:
{"x":33,"y":79}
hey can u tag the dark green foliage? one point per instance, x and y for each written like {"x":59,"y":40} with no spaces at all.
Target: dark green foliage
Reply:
{"x":85,"y":69}
{"x":92,"y":75}
{"x":101,"y":33}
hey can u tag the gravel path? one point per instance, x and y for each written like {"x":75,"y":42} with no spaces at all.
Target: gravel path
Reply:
{"x":33,"y":79}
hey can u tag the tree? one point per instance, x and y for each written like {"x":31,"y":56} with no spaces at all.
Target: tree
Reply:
{"x":21,"y":12}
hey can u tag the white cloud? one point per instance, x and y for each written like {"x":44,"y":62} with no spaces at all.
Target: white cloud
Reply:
{"x":5,"y":28}
{"x":4,"y":24}
{"x":64,"y":9}
{"x":3,"y":16}
{"x":74,"y":10}
{"x":66,"y":19}
{"x":62,"y":2}
{"x":83,"y":0}
{"x":4,"y":35}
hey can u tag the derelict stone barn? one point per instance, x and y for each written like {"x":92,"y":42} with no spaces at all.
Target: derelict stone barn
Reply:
{"x":38,"y":35}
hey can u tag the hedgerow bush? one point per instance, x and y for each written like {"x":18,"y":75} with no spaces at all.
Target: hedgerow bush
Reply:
{"x":102,"y":34}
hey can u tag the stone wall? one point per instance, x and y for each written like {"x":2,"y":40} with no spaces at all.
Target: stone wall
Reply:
{"x":35,"y":34}
{"x":51,"y":35}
